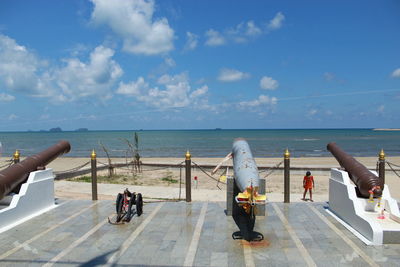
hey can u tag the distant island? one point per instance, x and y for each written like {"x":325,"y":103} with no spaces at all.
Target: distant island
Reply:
{"x":82,"y":130}
{"x":386,"y":129}
{"x":58,"y":129}
{"x":55,"y":130}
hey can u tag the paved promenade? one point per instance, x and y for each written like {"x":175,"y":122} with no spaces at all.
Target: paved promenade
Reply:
{"x":77,"y":233}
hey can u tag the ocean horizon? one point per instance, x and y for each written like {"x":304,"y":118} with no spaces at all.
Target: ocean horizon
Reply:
{"x":207,"y":142}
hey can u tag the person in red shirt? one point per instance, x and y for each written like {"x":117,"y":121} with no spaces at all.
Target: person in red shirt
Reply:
{"x":308,"y":184}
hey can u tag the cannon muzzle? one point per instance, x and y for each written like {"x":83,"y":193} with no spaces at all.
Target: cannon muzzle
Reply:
{"x":16,"y":174}
{"x":368,"y":184}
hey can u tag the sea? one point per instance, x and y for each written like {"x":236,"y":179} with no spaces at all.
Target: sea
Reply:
{"x":206,"y":143}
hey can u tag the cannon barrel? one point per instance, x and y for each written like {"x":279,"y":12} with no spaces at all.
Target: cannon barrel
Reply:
{"x":16,"y":174}
{"x":244,"y":165}
{"x":365,"y":180}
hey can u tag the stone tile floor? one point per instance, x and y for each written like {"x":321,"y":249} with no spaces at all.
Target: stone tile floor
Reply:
{"x":76,"y":233}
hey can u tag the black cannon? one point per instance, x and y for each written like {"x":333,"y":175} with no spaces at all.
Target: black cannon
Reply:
{"x":12,"y":177}
{"x":124,"y":206}
{"x":368,"y":184}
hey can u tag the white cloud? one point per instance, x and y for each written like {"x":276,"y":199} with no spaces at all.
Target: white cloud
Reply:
{"x":19,"y":68}
{"x":329,"y":76}
{"x":201,"y":81}
{"x":133,"y":88}
{"x":133,"y":21}
{"x":166,"y":79}
{"x":312,"y":112}
{"x":396,"y":73}
{"x":44,"y":117}
{"x":96,"y":77}
{"x":268,"y":83}
{"x":191,"y":41}
{"x":381,"y":109}
{"x":199,"y":92}
{"x":214,"y":38}
{"x":170,"y":62}
{"x":86,"y":117}
{"x":243,"y":32}
{"x":78,"y":50}
{"x":332,"y":77}
{"x":22,"y":71}
{"x":176,"y":93}
{"x":6,"y":97}
{"x":276,"y":22}
{"x":231,"y":75}
{"x":252,"y":29}
{"x":12,"y":117}
{"x":261,"y":100}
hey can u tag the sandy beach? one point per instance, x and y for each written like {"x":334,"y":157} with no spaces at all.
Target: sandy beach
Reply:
{"x":151,"y":179}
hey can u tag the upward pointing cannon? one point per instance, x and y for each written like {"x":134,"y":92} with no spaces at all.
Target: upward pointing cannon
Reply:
{"x":246,"y":185}
{"x":368,"y":184}
{"x":246,"y":176}
{"x":16,"y":174}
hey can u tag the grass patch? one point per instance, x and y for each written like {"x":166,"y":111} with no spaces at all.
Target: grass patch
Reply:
{"x":162,"y":178}
{"x":85,"y":179}
{"x":104,"y":179}
{"x":169,"y":178}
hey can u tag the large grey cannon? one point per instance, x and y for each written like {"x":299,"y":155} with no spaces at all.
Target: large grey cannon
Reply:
{"x":368,"y":184}
{"x":245,"y":190}
{"x":16,"y":174}
{"x":246,"y":175}
{"x":247,"y":181}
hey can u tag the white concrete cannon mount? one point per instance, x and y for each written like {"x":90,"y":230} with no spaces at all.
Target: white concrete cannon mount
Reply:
{"x":35,"y":197}
{"x":374,"y":224}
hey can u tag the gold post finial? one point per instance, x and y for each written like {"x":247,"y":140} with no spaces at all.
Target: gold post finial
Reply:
{"x":16,"y":155}
{"x":382,"y":155}
{"x":93,"y":156}
{"x":286,"y":154}
{"x":188,"y":156}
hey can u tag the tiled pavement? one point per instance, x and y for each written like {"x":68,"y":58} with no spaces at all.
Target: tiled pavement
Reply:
{"x":294,"y":234}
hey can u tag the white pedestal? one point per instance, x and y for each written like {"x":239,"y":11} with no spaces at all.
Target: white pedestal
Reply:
{"x":35,"y":197}
{"x":362,"y":217}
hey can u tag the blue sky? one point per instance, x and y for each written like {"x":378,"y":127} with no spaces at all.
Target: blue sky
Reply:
{"x":114,"y":65}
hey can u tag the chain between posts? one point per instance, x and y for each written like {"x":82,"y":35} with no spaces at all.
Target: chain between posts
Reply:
{"x":73,"y":169}
{"x":393,"y":170}
{"x":272,"y":169}
{"x":201,"y":169}
{"x":391,"y":163}
{"x":8,"y":164}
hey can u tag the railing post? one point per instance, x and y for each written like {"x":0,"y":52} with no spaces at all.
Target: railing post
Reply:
{"x":94,"y":175}
{"x":188,"y":180}
{"x":16,"y":156}
{"x":286,"y":174}
{"x":382,"y":166}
